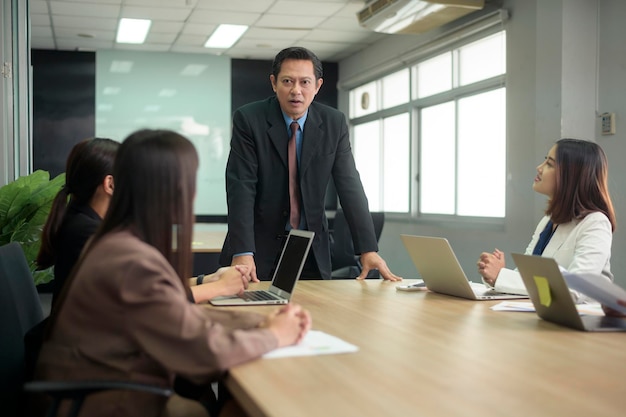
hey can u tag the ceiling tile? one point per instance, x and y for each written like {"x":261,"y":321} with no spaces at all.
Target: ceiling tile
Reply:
{"x":267,"y":33}
{"x":307,"y":8}
{"x":161,"y":26}
{"x":38,"y":6}
{"x":118,"y":2}
{"x":161,"y":38}
{"x":343,"y":23}
{"x":334,"y":36}
{"x":82,"y":23}
{"x":233,"y":18}
{"x":159,"y":3}
{"x":87,"y":10}
{"x":82,"y":44}
{"x":39,"y":19}
{"x":258,"y":6}
{"x":42,"y":43}
{"x":108,"y":35}
{"x":191,"y":40}
{"x":41,"y":31}
{"x":199,"y":29}
{"x":178,"y":14}
{"x":281,"y":21}
{"x":143,"y":47}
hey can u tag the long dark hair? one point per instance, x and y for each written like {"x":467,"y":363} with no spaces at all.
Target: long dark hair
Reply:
{"x":581,"y":182}
{"x":155,"y":185}
{"x":87,"y":165}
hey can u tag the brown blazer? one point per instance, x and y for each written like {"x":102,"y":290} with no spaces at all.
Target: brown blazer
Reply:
{"x":127,"y":317}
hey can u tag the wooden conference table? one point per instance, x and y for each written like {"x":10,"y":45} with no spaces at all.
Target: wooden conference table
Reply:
{"x":425,"y":354}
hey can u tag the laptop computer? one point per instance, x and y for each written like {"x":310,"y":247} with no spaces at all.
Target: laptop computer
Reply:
{"x":285,"y":277}
{"x":551,"y":296}
{"x":441,"y":271}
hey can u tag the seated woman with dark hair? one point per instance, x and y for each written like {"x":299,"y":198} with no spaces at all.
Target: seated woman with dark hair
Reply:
{"x":577,"y":229}
{"x":78,"y":210}
{"x":124,"y":312}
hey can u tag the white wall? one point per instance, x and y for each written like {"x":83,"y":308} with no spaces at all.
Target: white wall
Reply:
{"x":552,"y":92}
{"x":612,"y":98}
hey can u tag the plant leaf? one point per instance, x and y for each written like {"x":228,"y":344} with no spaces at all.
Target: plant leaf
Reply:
{"x":24,"y":207}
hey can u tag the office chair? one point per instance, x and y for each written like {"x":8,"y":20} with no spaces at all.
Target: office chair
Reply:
{"x":344,"y":262}
{"x":20,"y":311}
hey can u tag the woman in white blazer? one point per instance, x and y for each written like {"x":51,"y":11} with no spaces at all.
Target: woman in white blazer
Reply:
{"x":577,"y":229}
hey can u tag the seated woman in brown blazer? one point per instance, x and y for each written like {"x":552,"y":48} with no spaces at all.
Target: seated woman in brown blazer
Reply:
{"x":124,"y":313}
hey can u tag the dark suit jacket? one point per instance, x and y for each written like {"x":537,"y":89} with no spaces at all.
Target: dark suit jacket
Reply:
{"x":257,"y":184}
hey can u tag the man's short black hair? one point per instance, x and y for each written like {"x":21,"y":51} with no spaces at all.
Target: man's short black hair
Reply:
{"x":297,"y":52}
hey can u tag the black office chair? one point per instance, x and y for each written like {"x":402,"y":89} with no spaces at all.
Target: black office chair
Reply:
{"x":20,"y":312}
{"x":344,"y":262}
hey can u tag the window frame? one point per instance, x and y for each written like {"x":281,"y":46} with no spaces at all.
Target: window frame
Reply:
{"x":414,"y":107}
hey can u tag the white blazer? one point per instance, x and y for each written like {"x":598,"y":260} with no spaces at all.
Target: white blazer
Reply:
{"x":578,"y":246}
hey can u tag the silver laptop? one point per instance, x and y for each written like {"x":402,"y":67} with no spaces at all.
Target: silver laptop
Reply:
{"x":439,"y":267}
{"x":285,"y":277}
{"x":552,"y":299}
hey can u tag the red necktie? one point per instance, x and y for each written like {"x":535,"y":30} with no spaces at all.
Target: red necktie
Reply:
{"x":294,"y":190}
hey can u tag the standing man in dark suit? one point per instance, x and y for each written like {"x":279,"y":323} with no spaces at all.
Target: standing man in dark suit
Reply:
{"x":257,"y":175}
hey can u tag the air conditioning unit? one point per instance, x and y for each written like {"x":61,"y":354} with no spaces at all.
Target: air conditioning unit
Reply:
{"x":413,"y":16}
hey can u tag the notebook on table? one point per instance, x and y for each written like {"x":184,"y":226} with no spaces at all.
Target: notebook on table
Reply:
{"x":551,"y":296}
{"x":285,"y":277}
{"x":441,"y":271}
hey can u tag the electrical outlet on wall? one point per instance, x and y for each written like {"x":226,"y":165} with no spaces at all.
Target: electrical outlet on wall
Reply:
{"x":607,"y":123}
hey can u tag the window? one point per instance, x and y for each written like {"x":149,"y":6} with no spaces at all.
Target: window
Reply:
{"x":433,"y":76}
{"x":380,"y":146}
{"x":394,"y":89}
{"x":435,"y":133}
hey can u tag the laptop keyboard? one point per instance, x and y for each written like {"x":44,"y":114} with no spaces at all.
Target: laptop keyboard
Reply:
{"x":258,"y":296}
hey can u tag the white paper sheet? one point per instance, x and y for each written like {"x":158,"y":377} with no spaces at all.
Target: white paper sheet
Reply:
{"x":597,"y":287}
{"x":593,"y":309}
{"x":525,"y":306}
{"x":315,"y":343}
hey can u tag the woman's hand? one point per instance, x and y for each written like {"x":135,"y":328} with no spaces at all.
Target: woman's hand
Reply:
{"x":289,"y":324}
{"x":225,"y":281}
{"x":490,"y":264}
{"x":231,"y":280}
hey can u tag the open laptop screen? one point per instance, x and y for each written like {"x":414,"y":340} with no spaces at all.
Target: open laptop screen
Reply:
{"x":291,"y":262}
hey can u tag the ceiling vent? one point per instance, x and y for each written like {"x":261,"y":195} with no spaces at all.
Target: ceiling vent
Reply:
{"x":413,"y":16}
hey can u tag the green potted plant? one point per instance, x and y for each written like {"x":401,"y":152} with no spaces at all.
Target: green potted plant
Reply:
{"x":24,"y":207}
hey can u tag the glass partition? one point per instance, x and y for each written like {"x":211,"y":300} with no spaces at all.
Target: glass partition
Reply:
{"x":187,"y":93}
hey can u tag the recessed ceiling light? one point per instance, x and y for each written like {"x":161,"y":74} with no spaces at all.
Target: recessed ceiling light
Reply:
{"x":225,"y":36}
{"x":133,"y":30}
{"x":85,"y":35}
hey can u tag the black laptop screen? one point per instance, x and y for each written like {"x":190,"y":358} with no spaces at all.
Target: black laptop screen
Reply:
{"x":290,"y":263}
